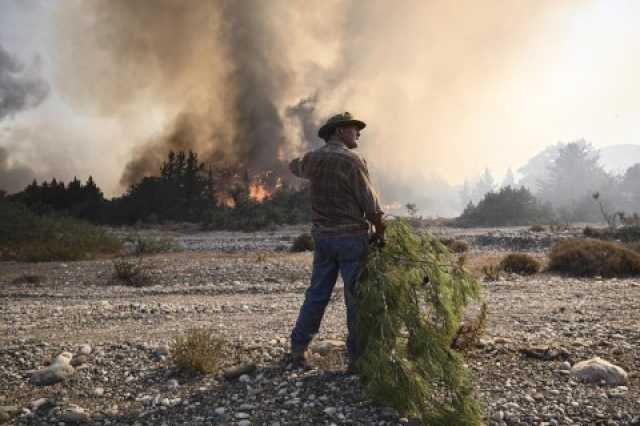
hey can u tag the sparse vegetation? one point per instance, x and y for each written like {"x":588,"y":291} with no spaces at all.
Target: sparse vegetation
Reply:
{"x":491,"y":272}
{"x":626,"y":234}
{"x":469,"y":333}
{"x":27,"y":279}
{"x":520,"y":263}
{"x":587,"y":258}
{"x":198,"y":350}
{"x":132,"y":272}
{"x":25,"y":236}
{"x":151,"y":245}
{"x":455,"y":246}
{"x":537,"y":228}
{"x":303,"y":242}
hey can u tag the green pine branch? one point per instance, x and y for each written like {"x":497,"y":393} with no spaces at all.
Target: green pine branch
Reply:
{"x":411,"y":301}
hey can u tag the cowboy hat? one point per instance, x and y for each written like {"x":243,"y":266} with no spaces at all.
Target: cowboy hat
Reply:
{"x":338,"y":120}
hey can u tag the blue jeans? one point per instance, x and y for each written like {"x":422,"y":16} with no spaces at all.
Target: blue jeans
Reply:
{"x":332,"y":255}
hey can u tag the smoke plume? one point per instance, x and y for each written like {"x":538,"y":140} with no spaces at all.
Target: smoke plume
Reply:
{"x":20,"y":87}
{"x":246,"y":83}
{"x":13,"y":176}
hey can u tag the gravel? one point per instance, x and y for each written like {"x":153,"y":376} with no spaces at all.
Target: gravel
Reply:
{"x":539,"y":327}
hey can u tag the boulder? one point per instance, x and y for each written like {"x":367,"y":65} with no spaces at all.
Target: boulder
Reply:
{"x":59,"y":370}
{"x":325,"y":346}
{"x":597,"y":369}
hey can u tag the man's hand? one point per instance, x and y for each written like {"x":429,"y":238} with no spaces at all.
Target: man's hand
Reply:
{"x":295,"y":167}
{"x":378,"y":236}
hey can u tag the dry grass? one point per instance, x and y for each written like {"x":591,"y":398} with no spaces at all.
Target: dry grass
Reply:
{"x":27,"y":278}
{"x":593,"y":258}
{"x":477,"y":264}
{"x":131,"y":272}
{"x":198,"y":350}
{"x":303,"y":242}
{"x":455,"y":246}
{"x":469,"y":333}
{"x":520,"y":263}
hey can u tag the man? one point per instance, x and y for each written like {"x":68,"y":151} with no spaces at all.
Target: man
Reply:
{"x":343,"y":205}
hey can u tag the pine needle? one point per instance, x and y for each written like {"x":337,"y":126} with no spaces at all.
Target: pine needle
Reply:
{"x":412,"y":297}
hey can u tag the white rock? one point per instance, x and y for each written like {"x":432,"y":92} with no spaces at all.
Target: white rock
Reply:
{"x":98,"y":391}
{"x":565,"y":366}
{"x":330,"y":411}
{"x":242,"y":415}
{"x":597,"y":369}
{"x":172,"y":384}
{"x":58,"y":371}
{"x":85,"y":350}
{"x":325,"y":346}
{"x":220,"y":411}
{"x":244,"y":423}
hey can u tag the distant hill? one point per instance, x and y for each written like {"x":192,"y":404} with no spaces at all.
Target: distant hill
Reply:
{"x":618,"y":158}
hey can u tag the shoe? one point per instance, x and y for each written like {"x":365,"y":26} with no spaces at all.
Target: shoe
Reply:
{"x":298,"y":359}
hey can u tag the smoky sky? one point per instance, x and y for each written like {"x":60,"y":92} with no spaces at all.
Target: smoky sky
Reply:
{"x":446,"y":88}
{"x":20,"y":86}
{"x":13,"y":177}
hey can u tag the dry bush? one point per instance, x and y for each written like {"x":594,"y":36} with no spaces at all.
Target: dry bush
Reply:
{"x":455,"y":246}
{"x":593,"y":257}
{"x":198,"y":350}
{"x":491,"y":272}
{"x":468,"y":334}
{"x":303,"y":242}
{"x":131,"y":272}
{"x":27,"y":279}
{"x":537,"y":228}
{"x":520,"y":263}
{"x":635,"y":246}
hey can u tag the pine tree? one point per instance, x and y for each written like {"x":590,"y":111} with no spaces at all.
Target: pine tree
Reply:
{"x":411,"y":301}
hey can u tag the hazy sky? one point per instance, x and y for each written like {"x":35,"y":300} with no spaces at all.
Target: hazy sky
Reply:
{"x":447,"y":88}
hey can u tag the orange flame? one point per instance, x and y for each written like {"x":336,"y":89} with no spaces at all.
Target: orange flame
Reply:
{"x":258,"y":192}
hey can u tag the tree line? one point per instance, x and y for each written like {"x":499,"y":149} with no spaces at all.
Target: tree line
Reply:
{"x":185,"y":190}
{"x":565,"y":183}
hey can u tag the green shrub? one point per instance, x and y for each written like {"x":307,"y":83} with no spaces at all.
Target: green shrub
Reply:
{"x":303,"y":242}
{"x":25,"y":236}
{"x":537,"y":228}
{"x":151,"y":245}
{"x":197,"y":350}
{"x":590,"y":257}
{"x":507,"y":207}
{"x":455,"y":246}
{"x":520,"y":263}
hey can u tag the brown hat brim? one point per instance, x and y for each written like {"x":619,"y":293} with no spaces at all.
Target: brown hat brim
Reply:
{"x":328,"y":127}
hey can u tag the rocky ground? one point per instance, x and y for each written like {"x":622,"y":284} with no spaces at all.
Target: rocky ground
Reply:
{"x":248,"y":290}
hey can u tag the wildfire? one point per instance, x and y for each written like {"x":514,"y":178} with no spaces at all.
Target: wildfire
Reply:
{"x":392,"y":206}
{"x":258,"y":192}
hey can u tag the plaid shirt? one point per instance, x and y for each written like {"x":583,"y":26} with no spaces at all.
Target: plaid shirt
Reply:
{"x":342,"y":198}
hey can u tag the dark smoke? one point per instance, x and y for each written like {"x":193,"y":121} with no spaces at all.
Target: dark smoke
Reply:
{"x":220,"y":67}
{"x":304,"y":112}
{"x":13,"y":177}
{"x":20,"y":87}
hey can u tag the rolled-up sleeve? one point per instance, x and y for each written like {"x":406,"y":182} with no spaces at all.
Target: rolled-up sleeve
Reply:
{"x":364,"y":192}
